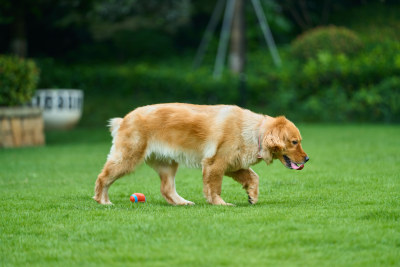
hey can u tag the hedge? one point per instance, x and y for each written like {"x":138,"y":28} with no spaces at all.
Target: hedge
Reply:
{"x":18,"y":80}
{"x":330,"y":87}
{"x":331,"y":39}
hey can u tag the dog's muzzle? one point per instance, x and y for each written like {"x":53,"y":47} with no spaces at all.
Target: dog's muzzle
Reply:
{"x":295,"y":166}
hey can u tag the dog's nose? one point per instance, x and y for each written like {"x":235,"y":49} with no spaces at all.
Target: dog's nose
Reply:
{"x":306,"y":159}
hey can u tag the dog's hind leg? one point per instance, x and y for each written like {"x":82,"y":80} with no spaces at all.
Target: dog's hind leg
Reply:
{"x":249,"y":180}
{"x":110,"y":173}
{"x":123,"y":158}
{"x":167,"y":172}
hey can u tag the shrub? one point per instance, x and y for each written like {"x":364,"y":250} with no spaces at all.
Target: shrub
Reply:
{"x":330,"y":87}
{"x":379,"y":102}
{"x":333,"y":87}
{"x":368,"y":67}
{"x":18,"y":80}
{"x":331,"y":39}
{"x":120,"y":88}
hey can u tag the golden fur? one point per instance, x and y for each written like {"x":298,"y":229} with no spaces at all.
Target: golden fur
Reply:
{"x":221,"y":139}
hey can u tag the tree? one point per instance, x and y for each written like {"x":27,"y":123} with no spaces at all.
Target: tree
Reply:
{"x":16,"y":18}
{"x":110,"y":16}
{"x":237,"y":55}
{"x":15,"y":13}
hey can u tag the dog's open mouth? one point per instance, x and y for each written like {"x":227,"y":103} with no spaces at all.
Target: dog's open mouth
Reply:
{"x":291,"y":165}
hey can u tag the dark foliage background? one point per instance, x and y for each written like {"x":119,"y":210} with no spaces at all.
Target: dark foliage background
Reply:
{"x":128,"y":53}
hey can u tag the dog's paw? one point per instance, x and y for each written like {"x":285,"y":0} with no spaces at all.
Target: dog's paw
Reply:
{"x":222,"y":204}
{"x":109,"y":203}
{"x":184,"y":203}
{"x":102,"y":202}
{"x":187,"y":203}
{"x":251,"y":200}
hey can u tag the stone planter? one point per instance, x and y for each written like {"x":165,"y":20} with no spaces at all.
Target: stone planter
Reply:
{"x":21,"y":126}
{"x":62,"y":108}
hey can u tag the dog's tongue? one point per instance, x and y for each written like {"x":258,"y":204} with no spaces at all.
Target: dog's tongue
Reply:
{"x":295,"y":167}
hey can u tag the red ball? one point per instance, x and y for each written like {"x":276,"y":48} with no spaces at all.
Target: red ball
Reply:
{"x":137,"y":197}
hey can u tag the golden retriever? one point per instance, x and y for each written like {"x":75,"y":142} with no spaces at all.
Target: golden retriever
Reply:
{"x":220,"y":139}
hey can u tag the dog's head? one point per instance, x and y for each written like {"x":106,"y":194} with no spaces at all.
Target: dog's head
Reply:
{"x":282,"y":140}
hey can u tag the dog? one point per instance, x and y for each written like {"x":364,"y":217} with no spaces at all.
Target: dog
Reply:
{"x":220,"y":139}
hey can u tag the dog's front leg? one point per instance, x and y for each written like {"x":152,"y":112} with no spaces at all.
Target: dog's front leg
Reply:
{"x":249,"y":180}
{"x":213,"y":172}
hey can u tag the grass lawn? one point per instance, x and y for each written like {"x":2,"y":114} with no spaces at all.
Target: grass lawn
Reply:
{"x":343,"y":209}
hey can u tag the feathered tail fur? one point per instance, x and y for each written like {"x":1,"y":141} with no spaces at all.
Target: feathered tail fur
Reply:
{"x":114,"y":125}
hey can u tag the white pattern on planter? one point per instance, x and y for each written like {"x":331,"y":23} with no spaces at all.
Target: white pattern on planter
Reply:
{"x":62,"y":108}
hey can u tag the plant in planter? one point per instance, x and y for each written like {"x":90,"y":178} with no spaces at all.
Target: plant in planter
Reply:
{"x":20,"y":125}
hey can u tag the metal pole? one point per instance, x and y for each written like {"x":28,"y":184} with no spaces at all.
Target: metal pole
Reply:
{"x":267,"y":32}
{"x":223,"y":44}
{"x":205,"y":41}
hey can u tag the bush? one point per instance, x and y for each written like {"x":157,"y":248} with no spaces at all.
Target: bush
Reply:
{"x":18,"y":80}
{"x":330,"y":87}
{"x":379,"y":102}
{"x":331,"y":39}
{"x":368,"y":67}
{"x":333,"y":87}
{"x":118,"y":89}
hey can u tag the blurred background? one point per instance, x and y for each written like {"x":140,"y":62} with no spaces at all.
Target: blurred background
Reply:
{"x":336,"y":60}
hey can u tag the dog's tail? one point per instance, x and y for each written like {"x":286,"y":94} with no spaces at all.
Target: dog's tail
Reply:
{"x":114,"y":125}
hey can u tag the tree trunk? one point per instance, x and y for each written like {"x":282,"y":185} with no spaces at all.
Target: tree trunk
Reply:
{"x":19,"y":43}
{"x":237,"y":55}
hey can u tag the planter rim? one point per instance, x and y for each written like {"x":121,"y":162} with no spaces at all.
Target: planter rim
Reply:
{"x":58,"y":89}
{"x":19,"y":111}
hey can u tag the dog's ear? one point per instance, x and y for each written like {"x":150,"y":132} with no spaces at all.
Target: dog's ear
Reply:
{"x":274,"y":137}
{"x":273,"y":142}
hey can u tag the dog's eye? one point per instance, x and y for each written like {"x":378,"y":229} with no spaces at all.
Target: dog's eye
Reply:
{"x":294,"y":142}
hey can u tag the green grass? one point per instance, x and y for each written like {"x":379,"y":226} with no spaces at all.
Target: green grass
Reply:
{"x":343,"y":209}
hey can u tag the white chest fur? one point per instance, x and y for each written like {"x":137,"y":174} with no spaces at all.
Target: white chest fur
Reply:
{"x":161,"y":151}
